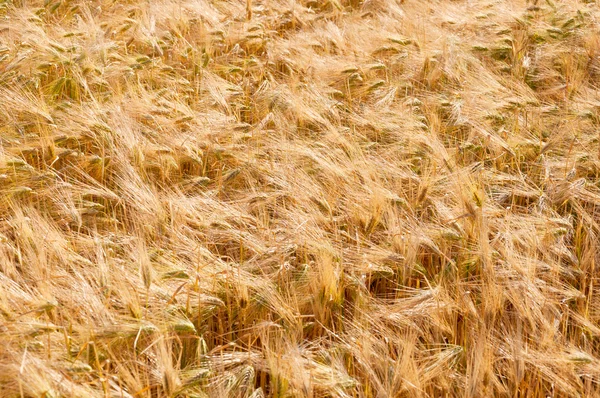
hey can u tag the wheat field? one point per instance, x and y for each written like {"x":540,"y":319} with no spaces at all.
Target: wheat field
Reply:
{"x":299,"y":198}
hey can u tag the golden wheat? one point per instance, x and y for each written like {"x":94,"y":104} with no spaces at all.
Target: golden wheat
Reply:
{"x":299,"y":198}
